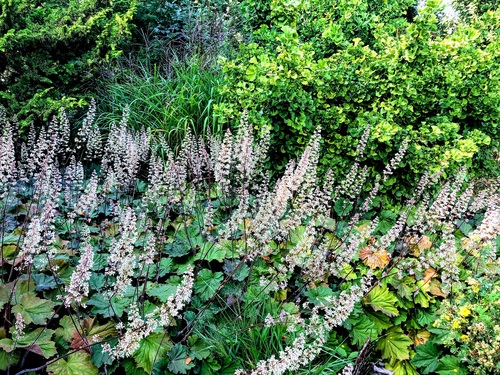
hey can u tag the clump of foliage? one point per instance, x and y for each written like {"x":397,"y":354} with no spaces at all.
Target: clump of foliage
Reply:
{"x":356,"y":63}
{"x":50,"y":51}
{"x":470,"y":9}
{"x":204,"y":28}
{"x":469,"y":324}
{"x":168,"y":100}
{"x":116,"y":260}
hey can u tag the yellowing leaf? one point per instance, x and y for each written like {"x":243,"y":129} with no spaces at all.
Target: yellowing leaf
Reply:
{"x":429,"y":274}
{"x":395,"y":345}
{"x":402,"y":368}
{"x":435,"y":288}
{"x":421,"y":337}
{"x":424,"y":243}
{"x":76,"y":364}
{"x":374,"y":259}
{"x":8,"y":251}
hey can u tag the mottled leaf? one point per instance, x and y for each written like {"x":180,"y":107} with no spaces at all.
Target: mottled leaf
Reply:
{"x":374,"y":258}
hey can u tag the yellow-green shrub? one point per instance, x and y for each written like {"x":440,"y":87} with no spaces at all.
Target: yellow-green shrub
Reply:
{"x":349,"y":64}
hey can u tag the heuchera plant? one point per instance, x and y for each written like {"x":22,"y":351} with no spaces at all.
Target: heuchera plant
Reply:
{"x":116,"y":260}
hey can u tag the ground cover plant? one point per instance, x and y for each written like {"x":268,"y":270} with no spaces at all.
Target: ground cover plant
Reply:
{"x":116,"y":260}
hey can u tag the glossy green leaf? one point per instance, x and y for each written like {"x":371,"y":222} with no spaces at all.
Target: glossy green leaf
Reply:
{"x":383,"y":300}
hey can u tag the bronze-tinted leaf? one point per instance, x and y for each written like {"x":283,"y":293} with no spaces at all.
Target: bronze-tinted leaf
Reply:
{"x":374,"y":258}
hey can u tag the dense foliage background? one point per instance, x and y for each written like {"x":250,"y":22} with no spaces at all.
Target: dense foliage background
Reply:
{"x":50,"y":52}
{"x":350,"y":64}
{"x":258,"y":187}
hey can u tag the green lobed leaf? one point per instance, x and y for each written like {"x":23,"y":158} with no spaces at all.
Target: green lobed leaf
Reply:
{"x":177,"y":249}
{"x":10,"y":238}
{"x":191,"y":237}
{"x":405,"y":287}
{"x":380,"y":320}
{"x":210,"y":367}
{"x":100,"y":357}
{"x":395,"y":344}
{"x":402,"y":368}
{"x":163,"y":291}
{"x":34,"y":309}
{"x":383,"y":300}
{"x":179,"y":360}
{"x":6,"y":296}
{"x":210,"y":252}
{"x":320,"y":295}
{"x":131,"y":368}
{"x":427,"y":357}
{"x":103,"y":306}
{"x":75,"y":364}
{"x":165,"y":266}
{"x":44,"y":282}
{"x":8,"y":359}
{"x":207,"y":283}
{"x":67,"y":328}
{"x":5,"y":291}
{"x":37,"y":341}
{"x":450,"y":365}
{"x":150,"y":348}
{"x":362,"y":328}
{"x":197,"y":348}
{"x":424,"y":317}
{"x":241,"y":272}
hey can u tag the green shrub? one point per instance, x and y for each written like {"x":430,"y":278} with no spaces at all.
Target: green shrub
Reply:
{"x":50,"y":51}
{"x":468,"y":9}
{"x":350,"y":64}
